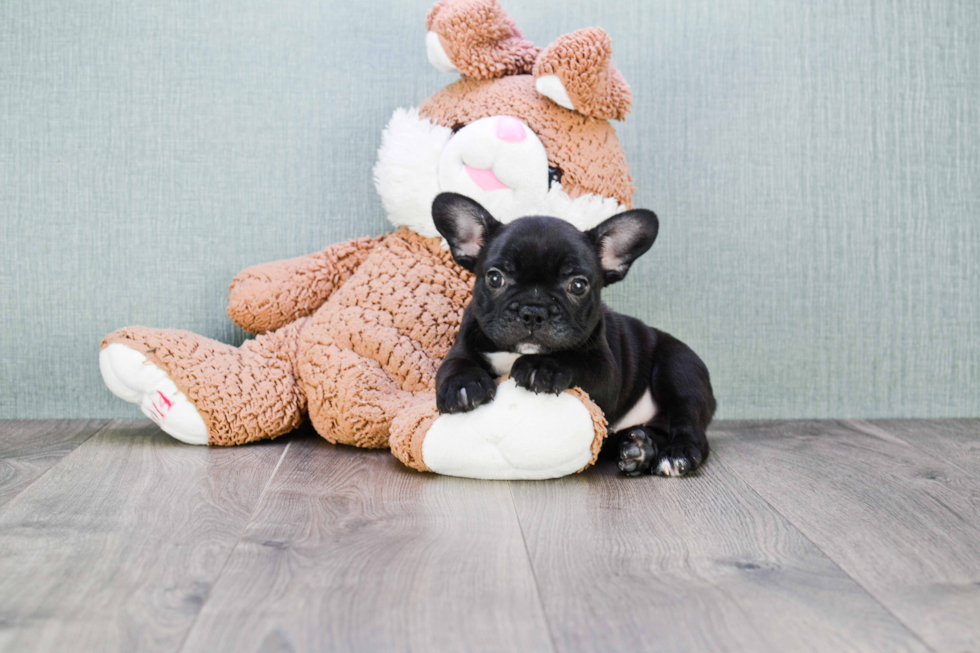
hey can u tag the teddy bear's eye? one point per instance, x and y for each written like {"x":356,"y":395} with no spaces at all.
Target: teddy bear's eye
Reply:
{"x":554,"y":176}
{"x":457,"y":127}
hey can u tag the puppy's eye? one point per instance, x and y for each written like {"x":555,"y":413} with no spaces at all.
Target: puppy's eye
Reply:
{"x":554,"y":176}
{"x":578,"y":286}
{"x":495,"y":279}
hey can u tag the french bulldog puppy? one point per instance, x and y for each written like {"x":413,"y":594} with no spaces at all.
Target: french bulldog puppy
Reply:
{"x":537,"y":314}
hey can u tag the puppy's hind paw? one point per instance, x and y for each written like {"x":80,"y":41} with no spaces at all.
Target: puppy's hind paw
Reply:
{"x":637,"y":452}
{"x":678,"y":460}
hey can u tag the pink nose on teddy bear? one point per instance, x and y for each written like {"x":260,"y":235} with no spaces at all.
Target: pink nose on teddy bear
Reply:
{"x":510,"y":130}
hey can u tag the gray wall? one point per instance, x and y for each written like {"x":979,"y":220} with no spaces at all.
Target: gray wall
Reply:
{"x":816,"y":167}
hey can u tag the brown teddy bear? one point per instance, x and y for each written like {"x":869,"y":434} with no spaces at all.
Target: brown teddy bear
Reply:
{"x":353,"y":335}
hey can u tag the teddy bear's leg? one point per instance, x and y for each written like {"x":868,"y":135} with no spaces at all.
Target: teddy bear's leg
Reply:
{"x":205,"y":392}
{"x":518,"y":435}
{"x":352,"y":400}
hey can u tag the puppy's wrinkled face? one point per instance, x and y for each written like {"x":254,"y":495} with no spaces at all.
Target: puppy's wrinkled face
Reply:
{"x":538,"y":287}
{"x":539,"y":279}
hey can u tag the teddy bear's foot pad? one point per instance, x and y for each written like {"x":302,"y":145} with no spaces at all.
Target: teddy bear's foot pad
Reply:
{"x":133,"y":378}
{"x":518,"y":435}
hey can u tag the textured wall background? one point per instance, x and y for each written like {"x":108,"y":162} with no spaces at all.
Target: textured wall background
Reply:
{"x":816,"y":167}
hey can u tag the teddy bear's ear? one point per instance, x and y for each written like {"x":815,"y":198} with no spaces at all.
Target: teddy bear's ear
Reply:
{"x":477,"y":38}
{"x":577,"y":72}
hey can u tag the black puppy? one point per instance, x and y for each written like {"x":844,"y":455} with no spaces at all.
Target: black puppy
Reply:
{"x":536,"y":313}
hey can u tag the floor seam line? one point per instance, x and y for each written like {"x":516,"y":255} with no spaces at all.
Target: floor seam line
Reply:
{"x":530,"y":565}
{"x":799,"y":530}
{"x":231,"y":551}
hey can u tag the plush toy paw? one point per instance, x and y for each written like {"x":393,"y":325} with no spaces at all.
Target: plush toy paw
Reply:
{"x":541,"y":374}
{"x":465,"y":391}
{"x":637,"y":451}
{"x":133,"y":378}
{"x":518,"y":435}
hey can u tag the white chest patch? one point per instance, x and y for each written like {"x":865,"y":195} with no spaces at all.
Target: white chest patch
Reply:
{"x":501,"y":361}
{"x":642,"y":412}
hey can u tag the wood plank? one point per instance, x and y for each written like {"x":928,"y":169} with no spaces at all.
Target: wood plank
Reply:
{"x":351,"y":551}
{"x":116,"y":548}
{"x":693,"y":564}
{"x":955,"y":441}
{"x":903,"y":524}
{"x":28,"y":448}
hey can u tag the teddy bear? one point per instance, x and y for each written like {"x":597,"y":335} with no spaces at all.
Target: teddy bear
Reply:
{"x":351,"y":337}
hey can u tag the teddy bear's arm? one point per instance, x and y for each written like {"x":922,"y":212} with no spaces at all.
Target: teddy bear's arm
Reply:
{"x":266,"y":297}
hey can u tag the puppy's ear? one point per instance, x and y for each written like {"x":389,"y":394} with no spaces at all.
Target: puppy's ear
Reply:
{"x":622,"y":239}
{"x":465,"y":225}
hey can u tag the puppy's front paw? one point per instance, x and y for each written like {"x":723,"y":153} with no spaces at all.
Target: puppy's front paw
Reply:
{"x":637,"y":451}
{"x":541,"y":374}
{"x":465,"y":391}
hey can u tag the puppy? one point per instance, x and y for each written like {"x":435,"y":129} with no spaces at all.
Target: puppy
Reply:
{"x":536,"y":313}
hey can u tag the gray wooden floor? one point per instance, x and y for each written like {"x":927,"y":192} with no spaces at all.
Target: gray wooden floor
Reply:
{"x":809,"y":536}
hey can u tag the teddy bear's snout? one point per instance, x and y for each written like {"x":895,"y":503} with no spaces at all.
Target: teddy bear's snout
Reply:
{"x":498,"y":161}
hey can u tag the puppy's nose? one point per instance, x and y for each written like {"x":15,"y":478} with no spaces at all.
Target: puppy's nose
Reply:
{"x":533,"y":316}
{"x":510,"y":130}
